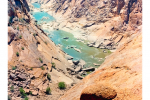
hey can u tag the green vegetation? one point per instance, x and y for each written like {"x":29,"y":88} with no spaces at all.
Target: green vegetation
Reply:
{"x":30,"y":92}
{"x":20,"y":37}
{"x":61,"y":85}
{"x":17,"y":54}
{"x":48,"y":76}
{"x":41,"y":60}
{"x":18,"y":28}
{"x":48,"y":90}
{"x":26,"y":98}
{"x":22,"y":92}
{"x":34,"y":34}
{"x":31,"y":68}
{"x":21,"y":20}
{"x":14,"y":67}
{"x":53,"y":65}
{"x":9,"y":98}
{"x":22,"y":48}
{"x":45,"y":42}
{"x":12,"y":88}
{"x":42,"y":68}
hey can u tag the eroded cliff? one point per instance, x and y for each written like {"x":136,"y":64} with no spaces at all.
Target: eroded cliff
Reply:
{"x":34,"y":61}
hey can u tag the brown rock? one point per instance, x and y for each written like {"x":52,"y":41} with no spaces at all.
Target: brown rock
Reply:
{"x":34,"y":92}
{"x":22,"y":77}
{"x":98,"y":92}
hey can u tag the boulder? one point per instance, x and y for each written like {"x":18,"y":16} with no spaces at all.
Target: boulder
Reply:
{"x":12,"y":76}
{"x":96,"y":64}
{"x":82,"y":62}
{"x":21,"y":77}
{"x":34,"y":92}
{"x":68,"y":57}
{"x":89,"y":69}
{"x":78,"y":50}
{"x":98,"y":92}
{"x":66,"y":38}
{"x":79,"y":77}
{"x":76,"y":62}
{"x":71,"y":69}
{"x":11,"y":34}
{"x":78,"y":69}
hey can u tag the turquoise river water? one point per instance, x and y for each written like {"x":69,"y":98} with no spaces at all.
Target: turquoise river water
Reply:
{"x":89,"y":54}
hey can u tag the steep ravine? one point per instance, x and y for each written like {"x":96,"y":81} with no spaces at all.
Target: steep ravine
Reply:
{"x":110,"y":24}
{"x":116,"y":21}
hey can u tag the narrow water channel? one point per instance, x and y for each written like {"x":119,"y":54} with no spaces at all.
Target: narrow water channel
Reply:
{"x":71,"y":45}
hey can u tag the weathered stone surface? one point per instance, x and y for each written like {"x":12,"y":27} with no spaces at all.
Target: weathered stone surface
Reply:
{"x":98,"y":92}
{"x":78,"y":69}
{"x":22,"y":77}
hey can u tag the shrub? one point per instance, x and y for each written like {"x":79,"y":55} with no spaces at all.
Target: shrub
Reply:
{"x":14,"y":67}
{"x":61,"y":85}
{"x":41,"y":60}
{"x":34,"y":34}
{"x":31,"y":68}
{"x":48,"y":76}
{"x":12,"y":88}
{"x":22,"y":48}
{"x":18,"y":28}
{"x":20,"y":19}
{"x":20,"y":37}
{"x":48,"y":90}
{"x":26,"y":98}
{"x":22,"y":92}
{"x":9,"y":98}
{"x":17,"y":54}
{"x":53,"y":65}
{"x":45,"y":42}
{"x":30,"y":92}
{"x":42,"y":68}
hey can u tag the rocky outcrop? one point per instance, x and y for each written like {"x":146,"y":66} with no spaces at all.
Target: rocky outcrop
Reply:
{"x":32,"y":56}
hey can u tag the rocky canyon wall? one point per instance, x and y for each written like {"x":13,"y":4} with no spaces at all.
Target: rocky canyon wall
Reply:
{"x":32,"y":56}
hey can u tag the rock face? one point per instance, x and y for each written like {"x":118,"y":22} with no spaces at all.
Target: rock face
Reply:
{"x":32,"y":56}
{"x":98,"y":92}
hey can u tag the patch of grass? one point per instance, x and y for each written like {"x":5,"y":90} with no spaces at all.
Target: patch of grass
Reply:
{"x":26,"y":98}
{"x":22,"y":48}
{"x":41,"y":60}
{"x":22,"y":92}
{"x":20,"y":37}
{"x":48,"y":76}
{"x":53,"y":65}
{"x":18,"y":28}
{"x":14,"y":67}
{"x":45,"y":42}
{"x":42,"y":68}
{"x":61,"y":85}
{"x":17,"y":54}
{"x":48,"y":90}
{"x":12,"y":88}
{"x":9,"y":98}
